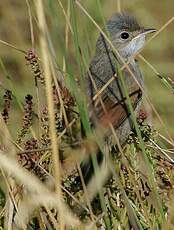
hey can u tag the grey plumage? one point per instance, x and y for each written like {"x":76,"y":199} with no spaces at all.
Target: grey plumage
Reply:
{"x":104,"y":63}
{"x":122,"y":21}
{"x":103,"y":66}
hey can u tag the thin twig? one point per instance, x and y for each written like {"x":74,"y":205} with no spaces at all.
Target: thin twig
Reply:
{"x":119,"y":5}
{"x":12,"y":46}
{"x":49,"y":94}
{"x":164,"y":79}
{"x":31,"y":23}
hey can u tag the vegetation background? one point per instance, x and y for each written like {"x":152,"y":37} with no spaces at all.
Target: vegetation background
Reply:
{"x":14,"y":28}
{"x":15,"y":74}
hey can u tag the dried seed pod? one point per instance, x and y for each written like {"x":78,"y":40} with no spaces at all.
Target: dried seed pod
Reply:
{"x":45,"y":138}
{"x":30,"y":159}
{"x":55,"y":96}
{"x":142,"y":116}
{"x":7,"y":102}
{"x":59,"y":123}
{"x":27,"y":118}
{"x":67,"y":97}
{"x":32,"y":60}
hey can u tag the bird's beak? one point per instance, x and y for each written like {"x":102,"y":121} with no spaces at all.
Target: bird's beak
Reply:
{"x":144,"y":32}
{"x":148,"y":31}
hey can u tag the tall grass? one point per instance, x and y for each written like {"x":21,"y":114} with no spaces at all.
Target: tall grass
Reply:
{"x":40,"y":186}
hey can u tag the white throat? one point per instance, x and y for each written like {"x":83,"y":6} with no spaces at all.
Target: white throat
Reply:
{"x":133,"y":47}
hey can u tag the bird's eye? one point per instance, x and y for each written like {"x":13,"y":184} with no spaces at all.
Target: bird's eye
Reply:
{"x":124,"y":35}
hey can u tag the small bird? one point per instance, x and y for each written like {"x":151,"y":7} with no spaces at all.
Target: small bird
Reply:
{"x":127,"y":37}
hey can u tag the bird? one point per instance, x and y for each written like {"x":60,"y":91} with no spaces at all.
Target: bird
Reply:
{"x":127,"y":38}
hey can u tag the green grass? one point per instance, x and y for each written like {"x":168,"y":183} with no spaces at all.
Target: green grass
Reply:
{"x":139,"y":194}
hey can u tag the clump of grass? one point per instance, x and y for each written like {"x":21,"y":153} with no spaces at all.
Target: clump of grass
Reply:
{"x":41,"y":169}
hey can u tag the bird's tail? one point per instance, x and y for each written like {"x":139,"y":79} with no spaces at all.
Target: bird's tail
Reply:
{"x":87,"y":166}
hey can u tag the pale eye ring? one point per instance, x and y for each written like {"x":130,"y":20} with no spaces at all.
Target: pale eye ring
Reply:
{"x":124,"y":35}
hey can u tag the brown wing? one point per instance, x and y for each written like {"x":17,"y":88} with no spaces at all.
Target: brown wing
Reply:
{"x":116,"y":113}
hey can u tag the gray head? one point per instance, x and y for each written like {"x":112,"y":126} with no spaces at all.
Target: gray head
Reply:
{"x":126,"y":34}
